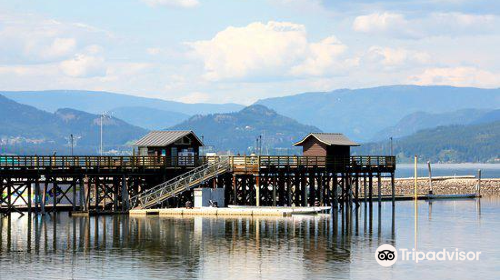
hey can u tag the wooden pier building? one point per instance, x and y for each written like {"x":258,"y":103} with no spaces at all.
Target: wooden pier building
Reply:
{"x":115,"y":184}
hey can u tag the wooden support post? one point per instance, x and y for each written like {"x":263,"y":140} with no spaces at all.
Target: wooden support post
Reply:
{"x":9,"y":198}
{"x":365,"y":194}
{"x":335,"y":192}
{"x":257,"y":190}
{"x":430,"y":177}
{"x":289,"y":189}
{"x":370,"y":187}
{"x":54,"y":195}
{"x":235,"y":190}
{"x":125,"y":200}
{"x":312,"y":189}
{"x":297,"y":188}
{"x":44,"y":194}
{"x":356,"y":193}
{"x":73,"y":188}
{"x":274,"y":189}
{"x":88,"y":192}
{"x":116,"y":184}
{"x":244,"y":183}
{"x":29,"y":197}
{"x":304,"y":189}
{"x":379,"y":185}
{"x":82,"y":194}
{"x":393,"y":189}
{"x":96,"y":194}
{"x":319,"y":183}
{"x":344,"y":190}
{"x":478,"y":189}
{"x":37,"y":194}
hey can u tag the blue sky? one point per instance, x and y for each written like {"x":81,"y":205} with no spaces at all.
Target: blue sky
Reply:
{"x":241,"y":51}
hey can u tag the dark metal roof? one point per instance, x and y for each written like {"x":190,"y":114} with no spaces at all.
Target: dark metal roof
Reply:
{"x":329,"y":139}
{"x":164,"y":138}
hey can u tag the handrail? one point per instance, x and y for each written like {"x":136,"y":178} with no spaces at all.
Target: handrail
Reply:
{"x":180,"y":183}
{"x":245,"y":162}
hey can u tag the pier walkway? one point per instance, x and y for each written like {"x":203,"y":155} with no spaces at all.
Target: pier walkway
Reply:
{"x":119,"y":183}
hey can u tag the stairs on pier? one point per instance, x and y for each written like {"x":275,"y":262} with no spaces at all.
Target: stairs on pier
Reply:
{"x":175,"y":186}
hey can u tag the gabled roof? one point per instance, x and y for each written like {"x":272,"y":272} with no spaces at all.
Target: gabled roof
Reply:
{"x":329,"y":139}
{"x":164,"y":138}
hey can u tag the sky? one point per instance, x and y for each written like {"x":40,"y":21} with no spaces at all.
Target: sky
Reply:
{"x":220,"y":51}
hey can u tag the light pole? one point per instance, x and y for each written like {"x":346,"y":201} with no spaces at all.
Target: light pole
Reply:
{"x":392,"y":151}
{"x":100,"y":145}
{"x":260,"y":145}
{"x":72,"y":144}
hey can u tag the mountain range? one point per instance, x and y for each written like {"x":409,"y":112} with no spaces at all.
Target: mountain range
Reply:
{"x":409,"y":114}
{"x":239,"y":131}
{"x":422,"y":120}
{"x":150,"y":113}
{"x":453,"y":143}
{"x":27,"y":130}
{"x":362,"y":113}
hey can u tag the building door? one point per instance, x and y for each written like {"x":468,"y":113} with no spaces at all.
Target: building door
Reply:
{"x":174,"y":156}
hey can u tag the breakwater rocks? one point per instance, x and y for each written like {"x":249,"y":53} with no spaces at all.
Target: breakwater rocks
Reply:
{"x":440,"y":185}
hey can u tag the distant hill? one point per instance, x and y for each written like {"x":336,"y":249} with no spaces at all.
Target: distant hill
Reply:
{"x":491,"y":116}
{"x":28,"y":130}
{"x":361,"y":113}
{"x":98,"y":102}
{"x":455,"y":143}
{"x":238,"y":131}
{"x":422,"y":120}
{"x":149,"y":118}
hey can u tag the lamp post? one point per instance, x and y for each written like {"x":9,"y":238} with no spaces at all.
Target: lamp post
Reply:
{"x":392,"y":150}
{"x":260,"y":145}
{"x":100,"y":146}
{"x":72,"y":145}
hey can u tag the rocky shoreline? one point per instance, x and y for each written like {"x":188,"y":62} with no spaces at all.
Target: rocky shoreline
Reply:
{"x":440,"y":185}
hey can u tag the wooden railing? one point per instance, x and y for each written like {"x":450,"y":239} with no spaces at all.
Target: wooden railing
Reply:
{"x":101,"y":161}
{"x":247,"y":162}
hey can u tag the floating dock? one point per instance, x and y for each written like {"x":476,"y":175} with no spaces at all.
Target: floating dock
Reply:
{"x":231,"y":211}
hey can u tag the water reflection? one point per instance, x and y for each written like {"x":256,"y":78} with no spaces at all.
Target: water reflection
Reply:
{"x":126,"y":247}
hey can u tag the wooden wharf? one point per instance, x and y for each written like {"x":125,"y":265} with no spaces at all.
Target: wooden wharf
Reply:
{"x":110,"y":184}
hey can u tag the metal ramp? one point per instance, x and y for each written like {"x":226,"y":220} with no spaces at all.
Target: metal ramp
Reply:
{"x":181,"y":183}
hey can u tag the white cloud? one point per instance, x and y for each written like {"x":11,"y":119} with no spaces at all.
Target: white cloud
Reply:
{"x":394,"y":57}
{"x":457,"y":76}
{"x":435,"y":24}
{"x":173,"y":3}
{"x":322,"y":57}
{"x":36,"y":40}
{"x":60,"y":47}
{"x":378,"y":22}
{"x":84,"y":66}
{"x":264,"y":51}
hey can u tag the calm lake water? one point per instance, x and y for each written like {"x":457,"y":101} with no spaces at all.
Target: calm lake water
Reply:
{"x":298,"y":247}
{"x":487,"y":170}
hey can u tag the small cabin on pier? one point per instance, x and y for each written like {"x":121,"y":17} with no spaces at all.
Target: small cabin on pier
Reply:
{"x":326,"y":145}
{"x":169,"y":143}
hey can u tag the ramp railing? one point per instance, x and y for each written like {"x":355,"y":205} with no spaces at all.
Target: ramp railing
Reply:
{"x":181,"y":183}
